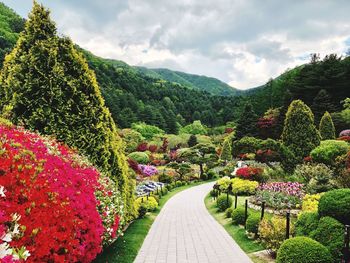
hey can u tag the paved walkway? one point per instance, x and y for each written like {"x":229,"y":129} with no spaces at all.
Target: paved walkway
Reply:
{"x":184,"y":231}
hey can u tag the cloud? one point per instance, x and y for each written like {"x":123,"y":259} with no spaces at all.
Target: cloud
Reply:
{"x":243,"y":43}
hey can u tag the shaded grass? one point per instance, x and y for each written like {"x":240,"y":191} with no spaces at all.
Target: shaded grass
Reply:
{"x":125,"y":248}
{"x":236,"y":232}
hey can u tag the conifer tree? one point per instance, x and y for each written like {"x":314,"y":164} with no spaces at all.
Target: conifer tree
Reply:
{"x":300,"y":133}
{"x":327,"y":129}
{"x":46,"y":85}
{"x":226,"y":152}
{"x":247,"y":123}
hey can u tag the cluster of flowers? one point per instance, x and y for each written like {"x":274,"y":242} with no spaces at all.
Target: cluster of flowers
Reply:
{"x":250,"y":173}
{"x":280,"y":195}
{"x":289,"y":188}
{"x":344,"y":138}
{"x":344,"y":133}
{"x":147,"y":170}
{"x":62,"y":205}
{"x":266,"y":122}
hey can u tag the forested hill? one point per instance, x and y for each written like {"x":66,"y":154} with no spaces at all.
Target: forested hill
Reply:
{"x":204,"y":83}
{"x":168,"y":98}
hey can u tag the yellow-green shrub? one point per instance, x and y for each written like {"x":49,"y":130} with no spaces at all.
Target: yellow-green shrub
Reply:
{"x":272,"y":232}
{"x":240,"y":186}
{"x":310,"y":202}
{"x":143,"y":205}
{"x":224,"y":183}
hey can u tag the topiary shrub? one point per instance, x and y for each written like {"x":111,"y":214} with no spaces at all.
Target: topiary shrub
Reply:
{"x":326,"y":128}
{"x":244,"y":187}
{"x":228,"y":212}
{"x":252,"y":224}
{"x":140,"y":157}
{"x":178,"y":183}
{"x":306,"y":172}
{"x":299,"y":131}
{"x":238,"y":216}
{"x":307,"y":223}
{"x":303,"y":250}
{"x":222,"y":203}
{"x":336,"y":203}
{"x":213,"y":193}
{"x":330,"y":233}
{"x":329,"y":150}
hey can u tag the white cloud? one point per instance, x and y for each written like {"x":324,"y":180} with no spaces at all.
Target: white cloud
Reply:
{"x":241,"y":42}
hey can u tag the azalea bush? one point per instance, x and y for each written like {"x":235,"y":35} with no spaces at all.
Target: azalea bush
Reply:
{"x":249,"y":173}
{"x":280,"y":195}
{"x":147,"y":170}
{"x":65,"y":211}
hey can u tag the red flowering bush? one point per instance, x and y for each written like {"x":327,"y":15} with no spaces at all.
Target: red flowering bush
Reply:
{"x":229,"y":130}
{"x":52,"y":190}
{"x":249,"y":173}
{"x":142,"y":147}
{"x":152,"y":148}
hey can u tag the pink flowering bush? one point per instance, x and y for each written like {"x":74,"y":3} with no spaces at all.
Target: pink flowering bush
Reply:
{"x":148,"y":170}
{"x":64,"y":209}
{"x":281,"y":195}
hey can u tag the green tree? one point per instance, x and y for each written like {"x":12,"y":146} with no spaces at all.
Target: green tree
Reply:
{"x":192,"y":141}
{"x":195,"y":128}
{"x":202,"y":154}
{"x":300,"y":133}
{"x":46,"y":85}
{"x":247,"y":123}
{"x":327,"y":129}
{"x":226,"y":152}
{"x":181,"y":169}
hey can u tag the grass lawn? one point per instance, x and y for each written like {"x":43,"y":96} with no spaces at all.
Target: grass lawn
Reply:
{"x":125,"y":248}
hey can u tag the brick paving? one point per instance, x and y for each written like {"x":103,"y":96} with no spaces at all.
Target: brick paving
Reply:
{"x":184,"y":231}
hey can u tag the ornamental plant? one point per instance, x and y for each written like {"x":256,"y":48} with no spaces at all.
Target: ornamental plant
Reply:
{"x":147,"y":170}
{"x":57,"y":196}
{"x":243,"y":187}
{"x":249,"y":173}
{"x":299,"y":132}
{"x":280,"y":195}
{"x":47,"y":86}
{"x":327,"y":129}
{"x":310,"y":202}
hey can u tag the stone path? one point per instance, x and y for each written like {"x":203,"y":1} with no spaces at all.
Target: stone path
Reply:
{"x":184,"y":231}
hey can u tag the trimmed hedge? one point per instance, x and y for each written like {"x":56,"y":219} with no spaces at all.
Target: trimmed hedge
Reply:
{"x":252,"y":224}
{"x":307,"y":223}
{"x":303,"y":250}
{"x":222,"y":203}
{"x":336,"y":203}
{"x":238,"y":217}
{"x":330,"y":233}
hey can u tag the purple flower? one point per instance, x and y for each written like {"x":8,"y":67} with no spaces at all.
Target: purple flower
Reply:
{"x":147,"y":170}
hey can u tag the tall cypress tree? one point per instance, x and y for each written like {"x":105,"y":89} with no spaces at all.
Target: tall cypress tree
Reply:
{"x":327,"y":129}
{"x":247,"y":123}
{"x":300,"y":133}
{"x":46,"y":85}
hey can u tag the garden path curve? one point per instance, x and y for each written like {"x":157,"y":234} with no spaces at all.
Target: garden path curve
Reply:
{"x":184,"y":231}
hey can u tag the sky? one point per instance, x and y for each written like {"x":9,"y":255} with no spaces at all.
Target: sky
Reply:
{"x":241,"y":42}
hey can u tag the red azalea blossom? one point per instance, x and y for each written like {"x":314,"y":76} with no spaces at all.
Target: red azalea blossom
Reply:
{"x":54,"y":193}
{"x":250,"y":173}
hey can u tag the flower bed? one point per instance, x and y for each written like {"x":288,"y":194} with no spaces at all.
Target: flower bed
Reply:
{"x":280,"y":195}
{"x":54,"y":206}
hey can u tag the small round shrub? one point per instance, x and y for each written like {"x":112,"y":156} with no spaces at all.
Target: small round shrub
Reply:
{"x":213,"y":193}
{"x":223,"y":203}
{"x":336,"y":203}
{"x":164,"y":190}
{"x":140,"y":157}
{"x":329,"y":150}
{"x":142,"y":211}
{"x":238,"y":216}
{"x":252,"y":224}
{"x":308,"y":171}
{"x":330,"y":233}
{"x":178,"y":183}
{"x":307,"y":223}
{"x":303,"y":250}
{"x":228,"y":212}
